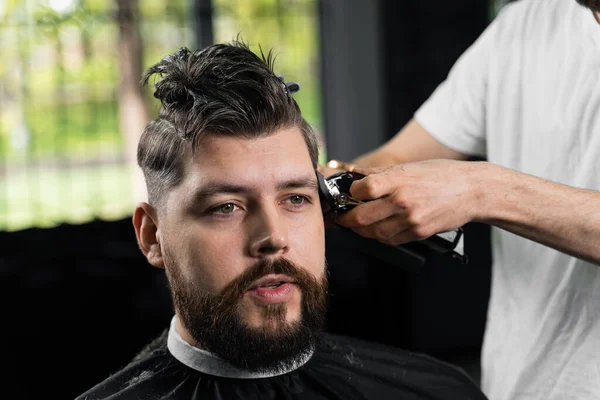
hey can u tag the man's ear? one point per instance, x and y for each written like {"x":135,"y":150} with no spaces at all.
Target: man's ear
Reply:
{"x":145,"y":222}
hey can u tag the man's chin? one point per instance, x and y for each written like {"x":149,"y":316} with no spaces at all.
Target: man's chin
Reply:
{"x":271,"y":316}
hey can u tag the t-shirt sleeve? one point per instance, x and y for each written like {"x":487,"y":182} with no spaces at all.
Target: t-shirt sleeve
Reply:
{"x":455,"y":114}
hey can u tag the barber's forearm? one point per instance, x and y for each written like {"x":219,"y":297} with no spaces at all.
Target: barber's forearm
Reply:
{"x":377,"y":158}
{"x":412,"y":143}
{"x":558,"y":216}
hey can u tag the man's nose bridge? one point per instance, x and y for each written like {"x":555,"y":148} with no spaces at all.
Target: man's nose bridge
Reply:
{"x":269,"y":226}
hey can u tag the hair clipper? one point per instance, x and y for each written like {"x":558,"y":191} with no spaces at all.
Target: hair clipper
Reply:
{"x":335,"y":197}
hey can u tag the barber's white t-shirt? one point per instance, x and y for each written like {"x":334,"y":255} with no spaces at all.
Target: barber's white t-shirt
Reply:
{"x":526,"y":95}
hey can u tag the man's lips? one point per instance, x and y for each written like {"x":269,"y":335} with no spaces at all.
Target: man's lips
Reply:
{"x":270,"y":280}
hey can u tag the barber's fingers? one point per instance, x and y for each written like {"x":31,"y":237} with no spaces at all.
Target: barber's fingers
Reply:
{"x":395,"y":231}
{"x":368,"y":213}
{"x":385,"y":229}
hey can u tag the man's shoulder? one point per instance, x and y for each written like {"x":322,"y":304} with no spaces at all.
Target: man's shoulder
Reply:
{"x":347,"y":347}
{"x":398,"y":367}
{"x":142,"y":371}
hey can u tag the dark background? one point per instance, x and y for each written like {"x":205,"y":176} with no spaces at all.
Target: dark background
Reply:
{"x":79,"y":301}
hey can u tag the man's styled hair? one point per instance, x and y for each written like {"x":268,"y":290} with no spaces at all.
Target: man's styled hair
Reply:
{"x":593,"y":5}
{"x":222,"y":90}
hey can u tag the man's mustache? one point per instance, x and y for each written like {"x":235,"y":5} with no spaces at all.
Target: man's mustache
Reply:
{"x":236,"y":289}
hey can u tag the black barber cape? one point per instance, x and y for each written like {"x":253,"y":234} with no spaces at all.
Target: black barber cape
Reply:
{"x":339,"y":368}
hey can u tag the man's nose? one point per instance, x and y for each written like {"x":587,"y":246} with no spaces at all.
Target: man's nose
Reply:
{"x":268,"y":234}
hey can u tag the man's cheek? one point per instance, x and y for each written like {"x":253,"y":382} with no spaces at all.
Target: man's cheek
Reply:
{"x":218,"y":268}
{"x":313,"y":232}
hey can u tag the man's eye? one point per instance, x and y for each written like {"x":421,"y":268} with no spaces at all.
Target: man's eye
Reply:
{"x":297,"y":200}
{"x":225,"y":208}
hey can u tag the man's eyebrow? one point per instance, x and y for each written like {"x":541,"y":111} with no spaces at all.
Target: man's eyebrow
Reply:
{"x":215,"y":188}
{"x":302,"y":183}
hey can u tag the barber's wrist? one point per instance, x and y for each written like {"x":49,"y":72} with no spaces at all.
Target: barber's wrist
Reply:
{"x":487,"y":182}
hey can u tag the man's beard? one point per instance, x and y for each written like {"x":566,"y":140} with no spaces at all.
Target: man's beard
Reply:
{"x":593,"y":5}
{"x":216,"y":323}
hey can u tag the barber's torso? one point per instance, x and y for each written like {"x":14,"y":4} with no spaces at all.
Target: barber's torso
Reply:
{"x":543,"y":118}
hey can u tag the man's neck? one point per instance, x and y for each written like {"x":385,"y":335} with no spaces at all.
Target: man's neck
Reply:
{"x":185,"y":335}
{"x":597,"y":16}
{"x":208,"y":363}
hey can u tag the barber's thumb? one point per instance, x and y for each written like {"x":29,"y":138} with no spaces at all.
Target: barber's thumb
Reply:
{"x":366,"y":170}
{"x":371,"y":187}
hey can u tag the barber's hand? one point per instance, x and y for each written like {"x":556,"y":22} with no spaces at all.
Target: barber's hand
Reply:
{"x":413,"y":201}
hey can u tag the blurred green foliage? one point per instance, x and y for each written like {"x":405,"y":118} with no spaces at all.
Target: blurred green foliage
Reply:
{"x":59,"y":77}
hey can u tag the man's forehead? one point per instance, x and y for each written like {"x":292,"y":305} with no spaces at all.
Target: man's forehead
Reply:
{"x":271,"y":161}
{"x":285,"y":147}
{"x":286,"y":175}
{"x":269,"y":141}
